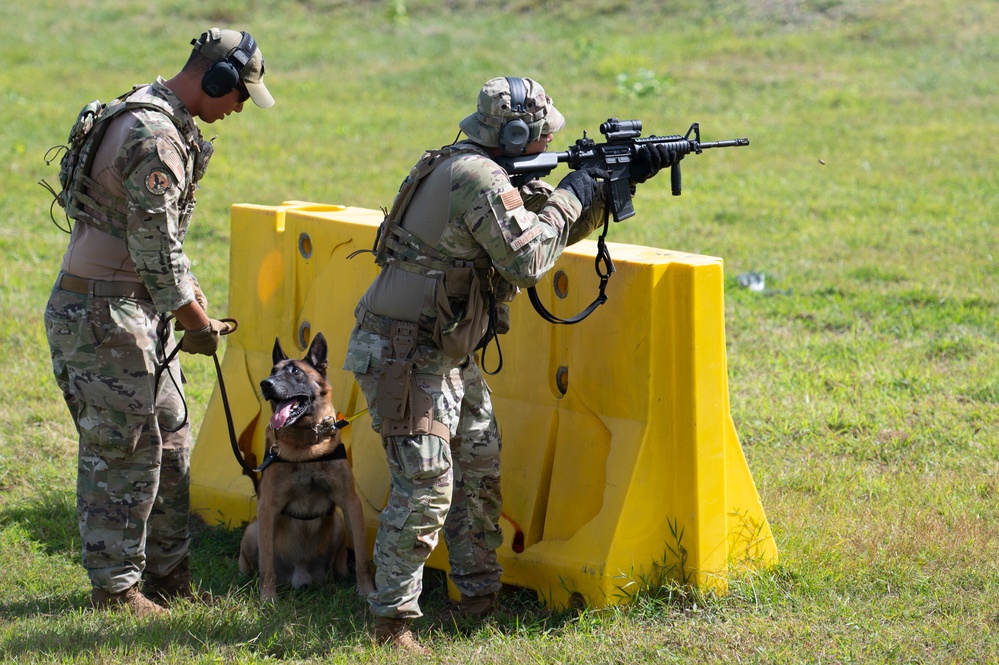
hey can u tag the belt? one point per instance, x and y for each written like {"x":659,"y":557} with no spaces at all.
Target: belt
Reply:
{"x":103,"y":289}
{"x":382,"y":325}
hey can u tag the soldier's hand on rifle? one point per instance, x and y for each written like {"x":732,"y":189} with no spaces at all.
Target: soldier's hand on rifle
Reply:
{"x":650,"y":159}
{"x":583,"y":184}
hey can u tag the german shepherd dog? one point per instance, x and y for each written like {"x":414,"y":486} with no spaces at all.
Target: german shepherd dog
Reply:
{"x":299,"y":534}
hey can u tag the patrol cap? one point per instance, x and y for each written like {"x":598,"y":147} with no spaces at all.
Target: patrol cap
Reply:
{"x":218,"y":44}
{"x":495,"y":110}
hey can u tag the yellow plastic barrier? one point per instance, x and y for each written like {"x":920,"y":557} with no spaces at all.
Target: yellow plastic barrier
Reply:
{"x":620,"y":459}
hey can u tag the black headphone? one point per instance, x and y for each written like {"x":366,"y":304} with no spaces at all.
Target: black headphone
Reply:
{"x":222,"y":77}
{"x":515,"y":134}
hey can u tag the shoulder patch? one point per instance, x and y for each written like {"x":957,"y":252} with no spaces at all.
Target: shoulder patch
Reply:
{"x":511,"y":199}
{"x":158,"y":181}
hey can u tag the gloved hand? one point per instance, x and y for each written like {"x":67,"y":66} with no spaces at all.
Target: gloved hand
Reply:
{"x":204,"y":341}
{"x":583,"y":184}
{"x":651,"y":158}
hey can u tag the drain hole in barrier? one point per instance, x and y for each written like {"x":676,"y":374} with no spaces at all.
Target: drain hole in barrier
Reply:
{"x":304,"y":335}
{"x":562,"y":379}
{"x":305,"y":245}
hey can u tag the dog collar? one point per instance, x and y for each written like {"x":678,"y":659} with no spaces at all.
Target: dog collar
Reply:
{"x":340,"y":452}
{"x":313,"y":435}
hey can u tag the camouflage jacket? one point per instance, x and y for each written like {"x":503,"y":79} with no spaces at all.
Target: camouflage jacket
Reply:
{"x":143,"y":180}
{"x":467,"y":209}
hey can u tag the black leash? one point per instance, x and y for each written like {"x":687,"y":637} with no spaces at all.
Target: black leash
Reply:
{"x":249,"y":470}
{"x":231,"y":326}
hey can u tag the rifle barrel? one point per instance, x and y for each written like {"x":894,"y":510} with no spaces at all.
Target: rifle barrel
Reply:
{"x":734,"y":143}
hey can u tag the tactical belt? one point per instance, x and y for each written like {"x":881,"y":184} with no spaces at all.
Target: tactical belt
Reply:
{"x":382,"y":325}
{"x":93,"y":287}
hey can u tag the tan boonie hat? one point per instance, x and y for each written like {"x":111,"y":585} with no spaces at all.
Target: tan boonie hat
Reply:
{"x":218,"y":45}
{"x":495,"y":110}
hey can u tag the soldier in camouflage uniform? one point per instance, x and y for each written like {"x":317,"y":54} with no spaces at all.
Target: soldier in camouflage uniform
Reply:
{"x":460,"y":237}
{"x":123,"y":273}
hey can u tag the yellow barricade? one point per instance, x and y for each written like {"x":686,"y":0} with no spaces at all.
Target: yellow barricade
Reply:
{"x":620,"y":465}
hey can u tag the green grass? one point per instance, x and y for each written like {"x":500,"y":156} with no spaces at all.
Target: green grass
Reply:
{"x":864,"y":382}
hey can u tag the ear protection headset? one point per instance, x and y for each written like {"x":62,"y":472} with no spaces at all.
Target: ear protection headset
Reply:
{"x":515,"y":134}
{"x":222,"y":77}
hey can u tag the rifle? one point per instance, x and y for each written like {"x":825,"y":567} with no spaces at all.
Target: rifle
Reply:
{"x":615,"y":156}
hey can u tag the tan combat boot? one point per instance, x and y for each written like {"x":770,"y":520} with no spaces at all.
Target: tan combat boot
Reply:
{"x":396,"y":633}
{"x":131,"y":599}
{"x":479,"y":607}
{"x":175,"y":584}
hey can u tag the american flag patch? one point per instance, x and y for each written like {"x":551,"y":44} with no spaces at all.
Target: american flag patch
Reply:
{"x":525,"y":237}
{"x":511,"y":199}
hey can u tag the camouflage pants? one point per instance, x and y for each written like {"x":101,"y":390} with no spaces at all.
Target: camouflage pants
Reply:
{"x":434,"y":485}
{"x":133,"y":467}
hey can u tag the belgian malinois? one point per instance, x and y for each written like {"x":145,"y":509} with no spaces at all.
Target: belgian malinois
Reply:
{"x":299,"y":533}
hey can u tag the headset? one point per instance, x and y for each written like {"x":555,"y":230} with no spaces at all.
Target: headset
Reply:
{"x":515,"y":134}
{"x":222,"y":77}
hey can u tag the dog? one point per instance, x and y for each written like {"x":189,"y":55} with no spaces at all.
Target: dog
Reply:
{"x":306,"y":484}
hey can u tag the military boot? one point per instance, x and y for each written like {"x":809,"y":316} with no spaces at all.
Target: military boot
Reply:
{"x":175,"y":584}
{"x":479,"y":607}
{"x":396,"y":633}
{"x":131,"y":599}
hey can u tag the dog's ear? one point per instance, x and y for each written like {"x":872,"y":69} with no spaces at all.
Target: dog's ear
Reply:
{"x":278,"y":354}
{"x":317,"y":355}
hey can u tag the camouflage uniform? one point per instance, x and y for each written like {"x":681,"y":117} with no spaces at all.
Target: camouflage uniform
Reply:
{"x":465,"y":211}
{"x":108,"y":339}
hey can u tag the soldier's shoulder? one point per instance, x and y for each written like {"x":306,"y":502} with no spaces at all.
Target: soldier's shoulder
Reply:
{"x":154,"y":122}
{"x":477,"y":173}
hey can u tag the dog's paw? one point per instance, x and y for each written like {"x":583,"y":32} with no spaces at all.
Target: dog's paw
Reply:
{"x":300,"y":578}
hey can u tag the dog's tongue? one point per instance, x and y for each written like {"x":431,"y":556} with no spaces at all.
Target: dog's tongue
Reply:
{"x":281,"y":413}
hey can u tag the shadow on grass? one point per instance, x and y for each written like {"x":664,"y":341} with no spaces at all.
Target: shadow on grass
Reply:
{"x":48,"y":519}
{"x":305,"y":623}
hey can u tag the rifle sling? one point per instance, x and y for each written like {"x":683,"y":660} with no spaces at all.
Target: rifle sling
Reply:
{"x":603,"y":257}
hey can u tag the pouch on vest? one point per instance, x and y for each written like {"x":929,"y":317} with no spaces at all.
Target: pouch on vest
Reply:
{"x":71,"y":158}
{"x":462,"y":317}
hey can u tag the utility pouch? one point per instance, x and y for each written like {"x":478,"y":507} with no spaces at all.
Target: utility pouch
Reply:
{"x":462,"y":318}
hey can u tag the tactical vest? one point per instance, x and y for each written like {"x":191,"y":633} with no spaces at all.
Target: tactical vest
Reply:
{"x":80,"y":192}
{"x":464,"y":292}
{"x":396,"y":245}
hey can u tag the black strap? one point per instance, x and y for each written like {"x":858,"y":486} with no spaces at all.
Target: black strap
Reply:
{"x":225,"y":397}
{"x":492,"y":336}
{"x":604,"y":267}
{"x":250,"y":471}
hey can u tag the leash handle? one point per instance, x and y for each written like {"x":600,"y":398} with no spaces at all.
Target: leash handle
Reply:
{"x":231,"y":325}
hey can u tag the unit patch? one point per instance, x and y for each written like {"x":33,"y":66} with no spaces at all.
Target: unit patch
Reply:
{"x":511,"y":199}
{"x":158,"y":181}
{"x":526,"y":237}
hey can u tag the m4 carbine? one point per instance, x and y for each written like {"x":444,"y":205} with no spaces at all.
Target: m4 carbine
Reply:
{"x":615,"y":156}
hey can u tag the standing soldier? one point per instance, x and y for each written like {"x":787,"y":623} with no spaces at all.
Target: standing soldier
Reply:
{"x":460,"y":241}
{"x":123,"y":273}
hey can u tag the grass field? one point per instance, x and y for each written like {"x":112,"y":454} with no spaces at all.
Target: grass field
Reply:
{"x":864,"y":381}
